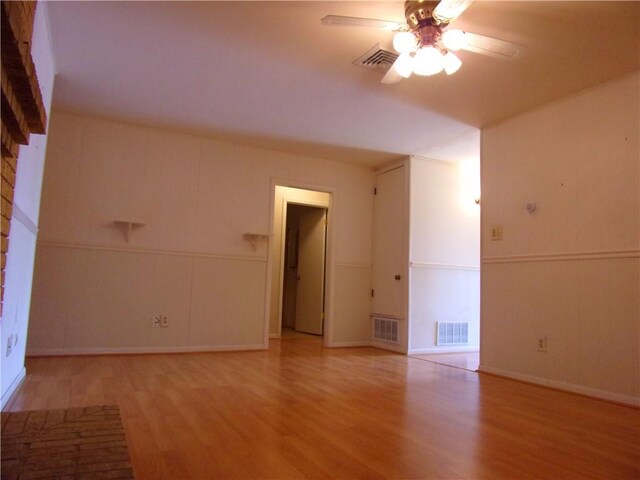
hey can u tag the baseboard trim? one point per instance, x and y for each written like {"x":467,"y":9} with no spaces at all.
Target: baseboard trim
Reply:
{"x":57,"y":352}
{"x":13,"y":387}
{"x":564,"y":386}
{"x":418,"y":351}
{"x":389,"y":347}
{"x":349,"y":344}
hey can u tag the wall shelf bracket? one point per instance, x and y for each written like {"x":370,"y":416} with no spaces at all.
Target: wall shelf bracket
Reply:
{"x":254,"y":238}
{"x":127,"y":227}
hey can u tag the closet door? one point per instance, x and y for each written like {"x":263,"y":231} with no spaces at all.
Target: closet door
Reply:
{"x":390,"y":244}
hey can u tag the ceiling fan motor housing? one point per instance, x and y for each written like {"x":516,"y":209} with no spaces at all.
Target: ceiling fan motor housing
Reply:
{"x":419,"y":13}
{"x":422,"y":22}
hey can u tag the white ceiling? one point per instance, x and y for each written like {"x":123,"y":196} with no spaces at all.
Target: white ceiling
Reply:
{"x":269,"y":74}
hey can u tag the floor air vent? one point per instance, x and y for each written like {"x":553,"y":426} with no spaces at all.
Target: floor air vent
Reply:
{"x":385,"y":329}
{"x":453,"y":333}
{"x":376,"y":58}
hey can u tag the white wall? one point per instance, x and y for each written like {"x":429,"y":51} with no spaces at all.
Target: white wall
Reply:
{"x":24,"y":223}
{"x":93,"y":292}
{"x":571,"y":270}
{"x":444,"y":251}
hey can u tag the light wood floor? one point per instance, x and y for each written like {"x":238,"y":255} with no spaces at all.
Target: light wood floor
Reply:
{"x":467,"y":360}
{"x":301,"y":411}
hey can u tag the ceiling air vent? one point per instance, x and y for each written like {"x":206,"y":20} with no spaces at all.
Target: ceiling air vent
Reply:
{"x":377,"y":59}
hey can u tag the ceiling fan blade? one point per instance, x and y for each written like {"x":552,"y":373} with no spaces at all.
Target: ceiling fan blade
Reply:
{"x":392,"y":75}
{"x":361,"y":22}
{"x":491,"y":46}
{"x":448,"y":10}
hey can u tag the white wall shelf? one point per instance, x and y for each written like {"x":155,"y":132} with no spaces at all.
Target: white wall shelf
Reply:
{"x":127,"y":227}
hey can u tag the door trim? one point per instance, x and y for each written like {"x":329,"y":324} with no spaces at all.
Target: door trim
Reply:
{"x":329,"y":258}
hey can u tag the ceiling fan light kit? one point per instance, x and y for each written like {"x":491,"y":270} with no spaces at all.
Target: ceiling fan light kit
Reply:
{"x":425,"y":44}
{"x":430,"y":55}
{"x":451,"y":63}
{"x":404,"y":65}
{"x":405,"y":42}
{"x":454,"y":39}
{"x":428,"y":61}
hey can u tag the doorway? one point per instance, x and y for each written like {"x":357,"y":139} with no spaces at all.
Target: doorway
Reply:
{"x":300,"y":258}
{"x":303,"y":282}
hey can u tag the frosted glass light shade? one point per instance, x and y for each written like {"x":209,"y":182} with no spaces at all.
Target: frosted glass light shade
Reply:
{"x":404,"y":65}
{"x":404,"y":42}
{"x":428,"y":61}
{"x":454,"y":39}
{"x":451,"y":63}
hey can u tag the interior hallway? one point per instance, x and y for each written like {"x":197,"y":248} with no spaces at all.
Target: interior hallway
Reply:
{"x":302,"y":411}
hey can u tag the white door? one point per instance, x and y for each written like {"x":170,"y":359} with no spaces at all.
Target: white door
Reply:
{"x":390,"y":244}
{"x":311,"y":253}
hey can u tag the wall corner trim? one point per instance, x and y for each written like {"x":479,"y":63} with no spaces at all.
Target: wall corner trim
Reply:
{"x":13,"y":387}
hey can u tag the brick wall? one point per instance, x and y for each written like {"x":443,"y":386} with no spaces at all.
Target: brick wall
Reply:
{"x":23,"y":111}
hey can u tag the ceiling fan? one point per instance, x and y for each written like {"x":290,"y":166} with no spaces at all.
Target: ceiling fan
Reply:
{"x":425,"y":44}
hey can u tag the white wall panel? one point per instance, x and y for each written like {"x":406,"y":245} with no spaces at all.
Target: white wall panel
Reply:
{"x":352,"y":305}
{"x":588,"y":310}
{"x":445,"y":251}
{"x":227,"y":302}
{"x":197,"y":198}
{"x":443,"y":295}
{"x":569,"y":271}
{"x":106,"y":299}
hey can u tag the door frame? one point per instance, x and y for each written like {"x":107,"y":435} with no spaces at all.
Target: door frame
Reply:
{"x":285,"y":207}
{"x":329,"y":255}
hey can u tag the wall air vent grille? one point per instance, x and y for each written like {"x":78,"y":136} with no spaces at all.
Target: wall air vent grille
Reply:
{"x":453,"y":333}
{"x":386,"y":329}
{"x":376,"y":59}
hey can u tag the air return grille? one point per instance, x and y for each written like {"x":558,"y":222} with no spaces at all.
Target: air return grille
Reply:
{"x":385,"y":329}
{"x":377,"y":59}
{"x":453,"y":333}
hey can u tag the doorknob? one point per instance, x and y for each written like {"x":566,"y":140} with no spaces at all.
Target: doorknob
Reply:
{"x":397,"y":277}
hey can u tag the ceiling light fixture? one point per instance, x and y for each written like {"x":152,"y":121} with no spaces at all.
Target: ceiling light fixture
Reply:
{"x":404,"y":42}
{"x":404,"y":65}
{"x":454,"y":39}
{"x":427,"y":51}
{"x":428,"y":61}
{"x":451,"y":63}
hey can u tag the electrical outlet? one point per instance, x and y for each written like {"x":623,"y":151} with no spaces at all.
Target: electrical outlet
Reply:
{"x":542,"y":344}
{"x":164,"y":321}
{"x":155,"y":321}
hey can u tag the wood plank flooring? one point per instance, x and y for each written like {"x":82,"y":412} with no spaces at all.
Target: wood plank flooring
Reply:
{"x":301,"y":411}
{"x":467,"y":361}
